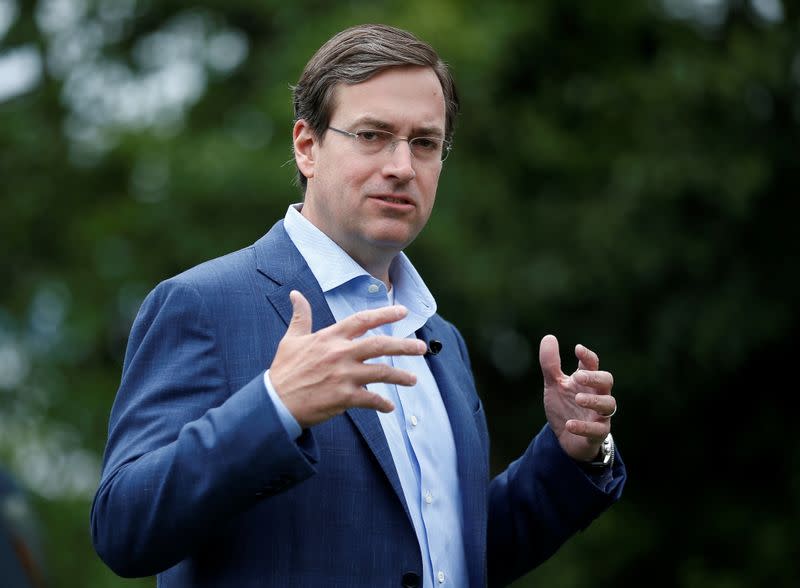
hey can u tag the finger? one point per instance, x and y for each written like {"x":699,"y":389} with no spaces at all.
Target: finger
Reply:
{"x":363,"y":398}
{"x":359,"y":323}
{"x":596,"y":431}
{"x":599,"y":380}
{"x":371,"y":373}
{"x":604,"y":406}
{"x":382,"y":345}
{"x":549,"y":359}
{"x":301,"y":315}
{"x":587,"y":359}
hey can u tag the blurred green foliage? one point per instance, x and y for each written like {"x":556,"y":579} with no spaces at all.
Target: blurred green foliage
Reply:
{"x":624,"y":175}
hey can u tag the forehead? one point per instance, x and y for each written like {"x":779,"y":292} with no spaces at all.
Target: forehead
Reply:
{"x":400,"y":97}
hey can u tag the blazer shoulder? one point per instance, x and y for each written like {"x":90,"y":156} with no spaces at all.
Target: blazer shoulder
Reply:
{"x":203,"y":289}
{"x":225,"y":269}
{"x":273,"y":256}
{"x":437,"y":321}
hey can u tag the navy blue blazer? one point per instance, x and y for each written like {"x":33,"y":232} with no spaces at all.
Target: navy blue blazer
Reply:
{"x":202,"y":486}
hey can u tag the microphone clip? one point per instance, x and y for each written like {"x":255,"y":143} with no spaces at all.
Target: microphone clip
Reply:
{"x":434,"y":347}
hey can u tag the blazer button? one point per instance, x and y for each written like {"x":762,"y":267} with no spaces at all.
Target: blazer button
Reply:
{"x":411,"y":580}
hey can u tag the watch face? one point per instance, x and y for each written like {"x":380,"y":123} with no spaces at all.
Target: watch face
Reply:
{"x":608,"y":450}
{"x":605,"y":456}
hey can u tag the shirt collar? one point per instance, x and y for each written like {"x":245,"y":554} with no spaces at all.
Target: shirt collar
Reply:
{"x":333,"y":267}
{"x":329,"y":263}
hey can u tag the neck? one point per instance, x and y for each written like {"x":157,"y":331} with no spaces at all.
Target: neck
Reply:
{"x":375,"y":260}
{"x":376,"y":266}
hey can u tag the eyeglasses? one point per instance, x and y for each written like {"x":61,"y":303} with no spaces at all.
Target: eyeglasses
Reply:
{"x":372,"y":142}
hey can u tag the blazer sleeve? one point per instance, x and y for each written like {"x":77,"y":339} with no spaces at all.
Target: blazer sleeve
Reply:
{"x":538,"y":502}
{"x":185,"y":453}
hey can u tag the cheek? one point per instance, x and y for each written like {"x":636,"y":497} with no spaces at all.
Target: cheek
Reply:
{"x":354,"y":178}
{"x":428,"y":185}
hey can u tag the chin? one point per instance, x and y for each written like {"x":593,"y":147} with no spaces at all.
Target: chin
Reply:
{"x":395,"y":238}
{"x":389,"y":244}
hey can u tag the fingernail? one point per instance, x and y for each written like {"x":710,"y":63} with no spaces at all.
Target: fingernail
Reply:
{"x":581,"y":378}
{"x":401,"y":310}
{"x":421,"y":347}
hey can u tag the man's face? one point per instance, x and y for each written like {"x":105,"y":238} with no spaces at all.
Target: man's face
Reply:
{"x":374,"y":205}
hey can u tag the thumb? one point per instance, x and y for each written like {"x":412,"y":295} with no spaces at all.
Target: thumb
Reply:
{"x":301,"y":315}
{"x":549,"y":359}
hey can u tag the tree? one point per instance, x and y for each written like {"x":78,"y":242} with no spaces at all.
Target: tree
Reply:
{"x":622,"y":178}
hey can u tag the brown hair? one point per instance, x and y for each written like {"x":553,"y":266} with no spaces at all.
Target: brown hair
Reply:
{"x":354,"y":56}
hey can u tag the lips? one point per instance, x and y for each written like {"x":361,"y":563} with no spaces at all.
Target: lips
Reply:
{"x":394,"y":199}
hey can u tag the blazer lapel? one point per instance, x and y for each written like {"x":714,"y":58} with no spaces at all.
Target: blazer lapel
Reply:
{"x":473,"y":470}
{"x":305,"y":283}
{"x":368,"y":424}
{"x":279,"y":260}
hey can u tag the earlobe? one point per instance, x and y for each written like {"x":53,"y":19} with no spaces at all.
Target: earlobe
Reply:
{"x":304,"y":141}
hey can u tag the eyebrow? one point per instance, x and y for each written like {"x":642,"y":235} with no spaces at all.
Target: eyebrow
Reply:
{"x":380,"y":125}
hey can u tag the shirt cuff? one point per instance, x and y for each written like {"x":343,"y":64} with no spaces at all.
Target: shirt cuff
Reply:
{"x":288,"y":421}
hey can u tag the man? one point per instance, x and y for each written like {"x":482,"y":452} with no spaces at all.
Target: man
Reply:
{"x":297,"y":414}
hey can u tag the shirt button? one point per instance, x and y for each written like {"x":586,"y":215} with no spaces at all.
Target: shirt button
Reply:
{"x":373,"y":288}
{"x":428,"y":497}
{"x":440,"y":577}
{"x":414,"y":420}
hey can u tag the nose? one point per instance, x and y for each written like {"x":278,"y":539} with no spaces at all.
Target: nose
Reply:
{"x":400,"y":162}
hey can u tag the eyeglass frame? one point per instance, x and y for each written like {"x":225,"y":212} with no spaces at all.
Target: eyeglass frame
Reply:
{"x":447,"y":146}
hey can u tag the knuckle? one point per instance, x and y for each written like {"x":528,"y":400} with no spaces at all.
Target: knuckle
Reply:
{"x":388,"y":373}
{"x":338,"y":351}
{"x":355,"y":394}
{"x":335,"y":354}
{"x":326,"y":358}
{"x":339,"y":376}
{"x":374,"y":346}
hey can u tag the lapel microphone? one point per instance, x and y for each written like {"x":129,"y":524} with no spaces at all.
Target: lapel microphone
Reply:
{"x":434,"y":347}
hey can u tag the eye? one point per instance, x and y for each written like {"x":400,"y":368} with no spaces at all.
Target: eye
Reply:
{"x":370,"y":136}
{"x":426,"y":143}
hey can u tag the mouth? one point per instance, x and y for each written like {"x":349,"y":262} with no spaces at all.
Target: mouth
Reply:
{"x":394,"y":199}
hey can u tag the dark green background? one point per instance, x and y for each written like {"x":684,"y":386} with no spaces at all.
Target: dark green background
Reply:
{"x":624,"y":175}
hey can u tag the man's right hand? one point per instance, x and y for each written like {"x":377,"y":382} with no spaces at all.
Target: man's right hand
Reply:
{"x":319,"y":375}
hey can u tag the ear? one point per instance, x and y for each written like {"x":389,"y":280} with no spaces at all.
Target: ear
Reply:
{"x":304,"y":141}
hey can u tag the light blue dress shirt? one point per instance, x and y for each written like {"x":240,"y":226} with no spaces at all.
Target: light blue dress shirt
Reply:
{"x":418,"y":430}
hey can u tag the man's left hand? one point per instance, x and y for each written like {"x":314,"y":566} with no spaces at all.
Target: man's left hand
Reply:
{"x":578,"y":407}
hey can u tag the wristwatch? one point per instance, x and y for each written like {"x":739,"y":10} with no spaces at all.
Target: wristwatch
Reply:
{"x":605,"y":457}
